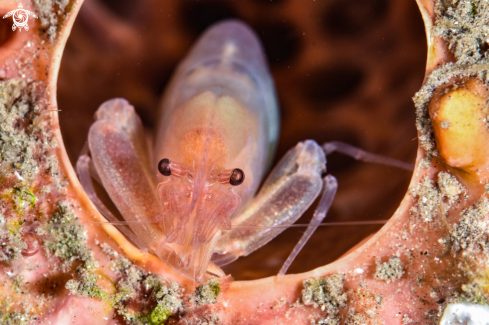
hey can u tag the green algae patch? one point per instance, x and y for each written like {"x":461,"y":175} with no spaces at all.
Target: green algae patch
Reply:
{"x":206,"y":293}
{"x":24,"y":195}
{"x":159,"y":315}
{"x":141,"y":298}
{"x":167,"y":298}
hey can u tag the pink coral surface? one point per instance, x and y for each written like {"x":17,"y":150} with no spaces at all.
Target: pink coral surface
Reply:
{"x":59,"y":267}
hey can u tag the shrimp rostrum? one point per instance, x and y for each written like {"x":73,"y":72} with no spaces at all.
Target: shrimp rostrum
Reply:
{"x":216,"y":137}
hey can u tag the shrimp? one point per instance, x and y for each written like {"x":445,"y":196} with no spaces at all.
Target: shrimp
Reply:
{"x":215,"y":142}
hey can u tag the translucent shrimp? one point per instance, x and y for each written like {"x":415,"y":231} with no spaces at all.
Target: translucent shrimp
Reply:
{"x":215,"y":141}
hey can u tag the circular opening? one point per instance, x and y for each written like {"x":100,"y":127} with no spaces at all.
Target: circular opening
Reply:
{"x":333,"y":88}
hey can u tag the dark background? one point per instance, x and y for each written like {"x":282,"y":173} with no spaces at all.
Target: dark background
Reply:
{"x":344,"y":70}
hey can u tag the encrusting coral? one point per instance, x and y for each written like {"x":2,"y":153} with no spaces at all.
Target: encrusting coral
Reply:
{"x":59,"y":268}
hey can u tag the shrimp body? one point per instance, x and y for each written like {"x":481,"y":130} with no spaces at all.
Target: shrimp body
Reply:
{"x":220,"y":109}
{"x":216,"y":137}
{"x":219,"y":114}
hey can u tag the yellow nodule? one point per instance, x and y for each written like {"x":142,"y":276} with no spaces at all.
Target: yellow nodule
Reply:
{"x":461,"y":132}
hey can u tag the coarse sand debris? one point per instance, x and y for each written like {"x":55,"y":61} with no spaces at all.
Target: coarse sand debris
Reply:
{"x":16,"y":317}
{"x":24,"y":143}
{"x":68,"y":239}
{"x":476,"y":290}
{"x":12,"y":241}
{"x":470,"y":233}
{"x":427,"y":199}
{"x":31,"y":189}
{"x":326,"y":321}
{"x":450,"y":188}
{"x":429,"y":196}
{"x":51,"y":14}
{"x":206,"y":293}
{"x":465,"y":26}
{"x":356,"y":318}
{"x":17,"y":285}
{"x":326,"y":293}
{"x":363,"y":306}
{"x":86,"y":286}
{"x":390,"y":270}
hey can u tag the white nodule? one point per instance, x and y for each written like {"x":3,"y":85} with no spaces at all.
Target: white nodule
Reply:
{"x":465,"y":314}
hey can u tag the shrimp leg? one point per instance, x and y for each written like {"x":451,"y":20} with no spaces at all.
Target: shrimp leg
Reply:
{"x":290,"y":189}
{"x":330,"y":187}
{"x":120,"y":156}
{"x":83,"y":171}
{"x":359,"y":154}
{"x":119,"y":152}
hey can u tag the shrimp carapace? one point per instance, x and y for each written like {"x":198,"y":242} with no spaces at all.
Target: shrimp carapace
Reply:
{"x":214,"y":129}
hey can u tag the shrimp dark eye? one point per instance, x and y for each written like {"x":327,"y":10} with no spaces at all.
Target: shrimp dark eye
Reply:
{"x":237,"y":177}
{"x":164,"y":167}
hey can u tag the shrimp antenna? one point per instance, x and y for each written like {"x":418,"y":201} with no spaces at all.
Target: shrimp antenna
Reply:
{"x":296,"y":225}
